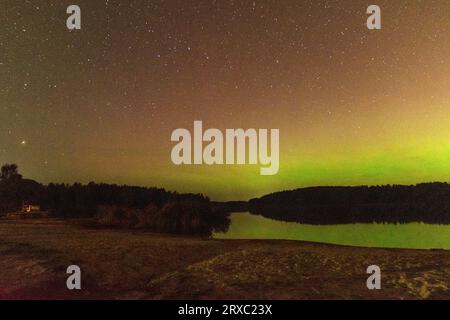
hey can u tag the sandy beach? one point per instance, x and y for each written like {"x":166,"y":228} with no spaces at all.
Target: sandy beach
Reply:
{"x":125,"y":264}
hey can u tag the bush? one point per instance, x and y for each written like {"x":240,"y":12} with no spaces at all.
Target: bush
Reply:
{"x":117,"y":217}
{"x":185,"y":217}
{"x":146,"y":216}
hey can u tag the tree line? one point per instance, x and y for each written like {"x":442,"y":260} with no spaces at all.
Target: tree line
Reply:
{"x":118,"y":205}
{"x":425,"y":202}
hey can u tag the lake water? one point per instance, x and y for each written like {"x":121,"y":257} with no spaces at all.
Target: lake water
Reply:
{"x":411,"y":235}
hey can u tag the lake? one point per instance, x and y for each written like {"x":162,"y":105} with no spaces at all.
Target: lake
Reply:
{"x":411,"y":235}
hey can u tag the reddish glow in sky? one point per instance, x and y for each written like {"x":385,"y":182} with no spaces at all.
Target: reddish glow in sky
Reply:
{"x":353,"y":106}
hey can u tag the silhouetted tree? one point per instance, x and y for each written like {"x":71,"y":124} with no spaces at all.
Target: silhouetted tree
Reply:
{"x":14,"y":190}
{"x":9,"y":171}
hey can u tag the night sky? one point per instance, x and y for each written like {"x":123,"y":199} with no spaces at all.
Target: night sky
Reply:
{"x":354,"y":106}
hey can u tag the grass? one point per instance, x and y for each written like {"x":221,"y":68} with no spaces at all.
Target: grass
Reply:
{"x":121,"y":264}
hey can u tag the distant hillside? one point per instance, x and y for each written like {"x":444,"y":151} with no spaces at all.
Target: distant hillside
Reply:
{"x":427,"y":202}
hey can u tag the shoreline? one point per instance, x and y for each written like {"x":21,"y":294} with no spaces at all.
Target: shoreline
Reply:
{"x":130,"y":264}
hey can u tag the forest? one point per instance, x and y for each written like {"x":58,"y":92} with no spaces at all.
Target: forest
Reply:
{"x":114,"y":205}
{"x":166,"y":211}
{"x":425,"y":202}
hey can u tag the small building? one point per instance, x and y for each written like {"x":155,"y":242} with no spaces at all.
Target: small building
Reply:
{"x":31,"y":208}
{"x":28,"y":211}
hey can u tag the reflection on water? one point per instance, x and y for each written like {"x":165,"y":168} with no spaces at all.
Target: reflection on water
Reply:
{"x":412,"y":235}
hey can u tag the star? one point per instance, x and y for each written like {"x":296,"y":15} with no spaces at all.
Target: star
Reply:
{"x":253,"y":62}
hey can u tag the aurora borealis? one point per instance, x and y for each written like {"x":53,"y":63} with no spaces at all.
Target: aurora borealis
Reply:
{"x":354,"y":106}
